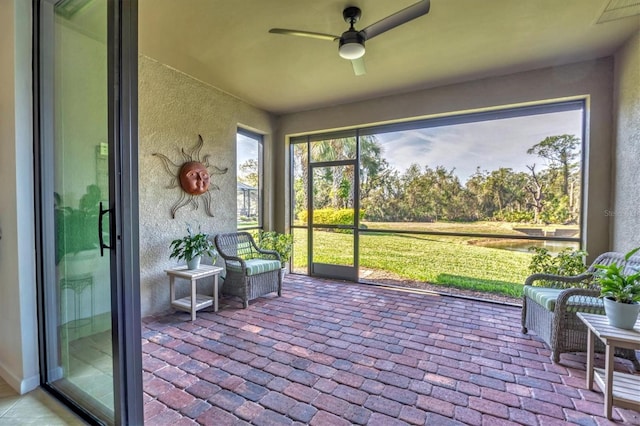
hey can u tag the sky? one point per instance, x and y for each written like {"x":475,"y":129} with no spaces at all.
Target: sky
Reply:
{"x":247,"y":148}
{"x":465,"y":147}
{"x":485,"y":144}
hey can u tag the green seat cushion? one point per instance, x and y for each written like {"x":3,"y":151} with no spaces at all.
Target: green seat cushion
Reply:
{"x":547,"y":297}
{"x":255,"y":266}
{"x":543,"y":296}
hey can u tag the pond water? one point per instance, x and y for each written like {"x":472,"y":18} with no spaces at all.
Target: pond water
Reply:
{"x":523,"y":245}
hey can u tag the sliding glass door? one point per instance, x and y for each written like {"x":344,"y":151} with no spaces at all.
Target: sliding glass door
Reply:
{"x":84,"y":277}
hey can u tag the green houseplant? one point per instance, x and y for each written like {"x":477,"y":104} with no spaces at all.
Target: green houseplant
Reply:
{"x":192,"y":247}
{"x":281,"y":243}
{"x":620,"y":290}
{"x":77,"y":232}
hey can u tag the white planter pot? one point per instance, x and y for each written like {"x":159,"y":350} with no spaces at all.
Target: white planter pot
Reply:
{"x":621,"y":315}
{"x":193,"y":263}
{"x":284,"y":270}
{"x":80,"y":264}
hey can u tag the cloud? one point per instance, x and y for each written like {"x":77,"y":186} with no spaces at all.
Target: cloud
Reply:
{"x":247,"y":148}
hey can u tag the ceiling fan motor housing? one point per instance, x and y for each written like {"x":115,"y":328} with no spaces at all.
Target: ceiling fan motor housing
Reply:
{"x":351,"y":45}
{"x":352,"y":41}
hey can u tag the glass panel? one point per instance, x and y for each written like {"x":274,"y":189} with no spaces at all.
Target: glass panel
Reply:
{"x":333,"y":149}
{"x":333,"y":195}
{"x":249,"y":154}
{"x":333,"y":246}
{"x":300,"y":182}
{"x":81,"y":366}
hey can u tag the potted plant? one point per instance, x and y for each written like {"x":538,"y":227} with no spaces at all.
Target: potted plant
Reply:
{"x":192,"y":247}
{"x":281,"y":243}
{"x":620,"y":290}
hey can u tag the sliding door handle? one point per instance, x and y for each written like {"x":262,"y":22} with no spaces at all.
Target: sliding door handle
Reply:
{"x":100,"y":233}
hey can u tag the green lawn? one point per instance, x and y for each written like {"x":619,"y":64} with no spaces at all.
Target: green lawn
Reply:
{"x":449,"y":261}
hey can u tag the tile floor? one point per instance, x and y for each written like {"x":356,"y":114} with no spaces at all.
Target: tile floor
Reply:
{"x":90,"y":369}
{"x":332,"y":353}
{"x":34,"y":408}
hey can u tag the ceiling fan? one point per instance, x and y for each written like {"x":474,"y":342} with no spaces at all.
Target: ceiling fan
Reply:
{"x":351,"y":42}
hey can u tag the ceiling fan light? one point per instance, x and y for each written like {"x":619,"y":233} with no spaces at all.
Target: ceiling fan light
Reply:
{"x":351,"y":50}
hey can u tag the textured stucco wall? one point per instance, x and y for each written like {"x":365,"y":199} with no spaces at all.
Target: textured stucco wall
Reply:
{"x":592,"y":80}
{"x":625,"y":206}
{"x":174,"y":109}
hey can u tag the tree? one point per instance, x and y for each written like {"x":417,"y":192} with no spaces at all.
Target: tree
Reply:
{"x":535,"y":188}
{"x":248,"y":172}
{"x":300,"y":177}
{"x":332,"y":185}
{"x":373,"y":168}
{"x":561,"y":152}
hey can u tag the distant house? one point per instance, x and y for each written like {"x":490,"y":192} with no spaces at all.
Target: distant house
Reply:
{"x":247,"y":201}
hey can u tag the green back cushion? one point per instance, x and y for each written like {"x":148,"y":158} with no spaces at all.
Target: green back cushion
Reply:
{"x":255,"y":266}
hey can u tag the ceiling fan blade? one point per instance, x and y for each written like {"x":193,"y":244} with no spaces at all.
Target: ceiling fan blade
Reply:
{"x":405,"y":15}
{"x":358,"y":66}
{"x":320,"y":36}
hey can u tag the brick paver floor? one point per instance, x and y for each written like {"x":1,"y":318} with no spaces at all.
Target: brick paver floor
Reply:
{"x":334,"y":353}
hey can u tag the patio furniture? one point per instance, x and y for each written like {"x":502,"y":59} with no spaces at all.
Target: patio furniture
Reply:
{"x":250,"y":271}
{"x":550,"y":304}
{"x":194,"y":301}
{"x":619,"y":388}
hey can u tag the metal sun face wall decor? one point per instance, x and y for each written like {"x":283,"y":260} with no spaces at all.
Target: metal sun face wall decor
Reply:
{"x":193,"y":176}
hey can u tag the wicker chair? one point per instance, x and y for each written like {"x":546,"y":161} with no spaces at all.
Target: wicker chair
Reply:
{"x":549,"y":308}
{"x":250,"y":271}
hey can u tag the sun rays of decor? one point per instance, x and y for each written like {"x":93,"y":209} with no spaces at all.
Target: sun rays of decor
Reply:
{"x":193,"y":176}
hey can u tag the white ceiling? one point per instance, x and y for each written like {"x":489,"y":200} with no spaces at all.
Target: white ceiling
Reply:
{"x":226,"y":44}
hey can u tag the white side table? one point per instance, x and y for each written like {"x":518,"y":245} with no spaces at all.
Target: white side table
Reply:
{"x":619,"y":388}
{"x":195,"y":301}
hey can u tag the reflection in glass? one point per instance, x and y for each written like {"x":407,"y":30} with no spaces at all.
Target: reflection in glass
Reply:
{"x":80,"y":361}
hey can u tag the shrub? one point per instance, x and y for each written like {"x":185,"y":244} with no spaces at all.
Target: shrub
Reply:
{"x":520,"y":216}
{"x":567,"y":262}
{"x":331,"y":216}
{"x":272,"y":240}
